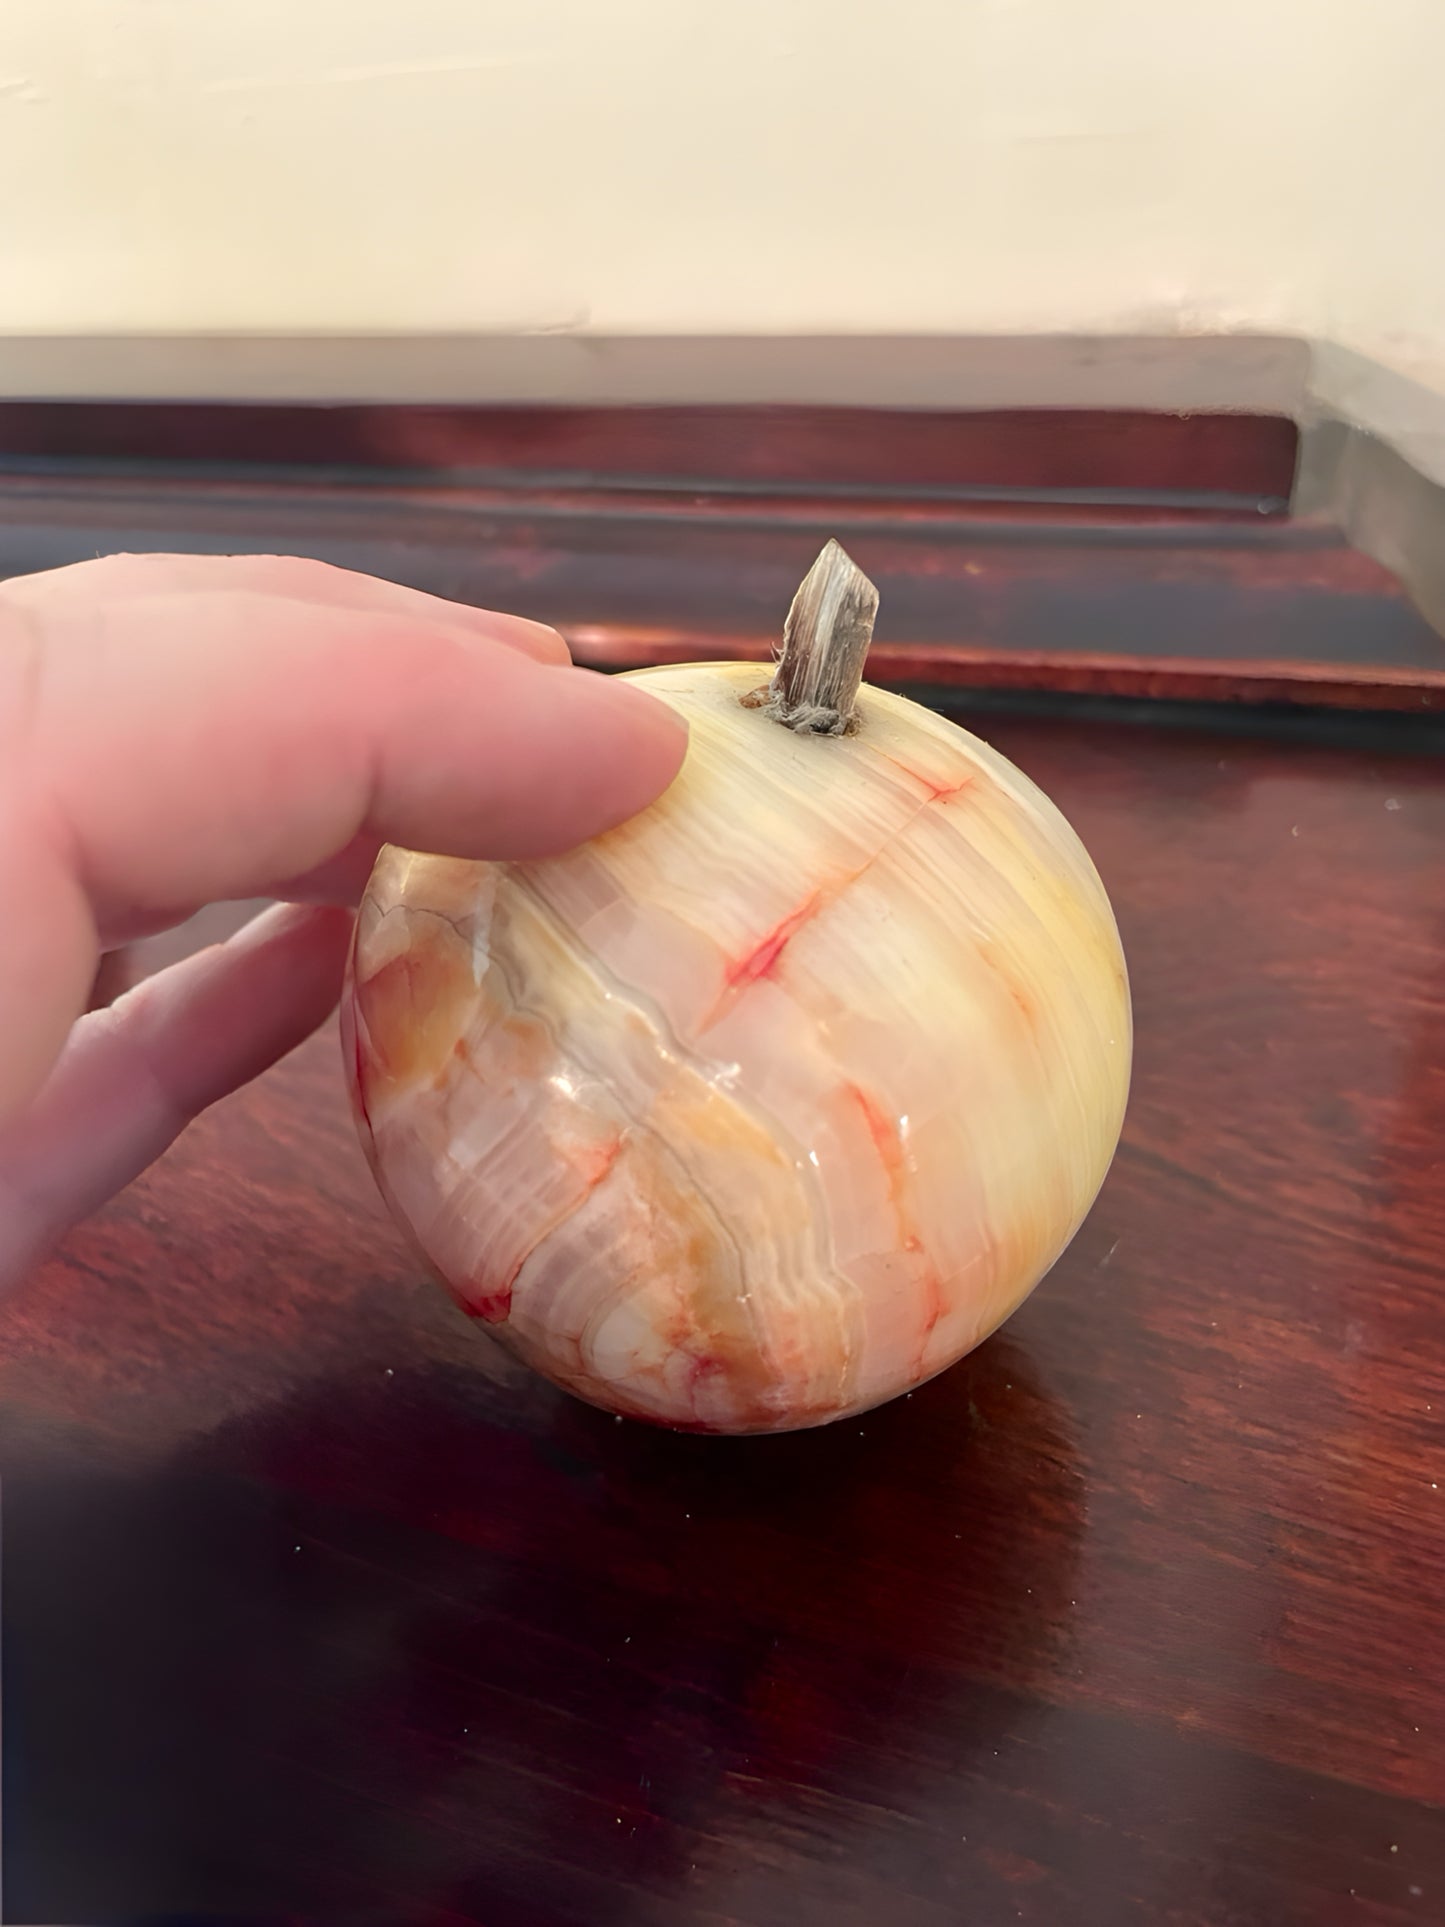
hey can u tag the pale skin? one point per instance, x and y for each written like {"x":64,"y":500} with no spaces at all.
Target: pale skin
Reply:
{"x":177,"y":731}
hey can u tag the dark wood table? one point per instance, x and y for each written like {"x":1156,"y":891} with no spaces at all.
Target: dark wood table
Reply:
{"x":1138,"y":1615}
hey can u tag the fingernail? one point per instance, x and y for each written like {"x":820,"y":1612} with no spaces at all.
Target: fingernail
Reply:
{"x":650,"y":711}
{"x":536,"y":639}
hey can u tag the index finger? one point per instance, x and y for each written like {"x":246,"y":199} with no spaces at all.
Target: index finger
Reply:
{"x":111,"y":577}
{"x":183,"y":748}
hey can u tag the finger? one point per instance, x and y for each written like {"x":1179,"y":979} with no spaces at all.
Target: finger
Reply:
{"x":339,"y":880}
{"x":215,"y":744}
{"x":188,"y":748}
{"x":134,"y":1076}
{"x":48,"y":953}
{"x":295,"y":578}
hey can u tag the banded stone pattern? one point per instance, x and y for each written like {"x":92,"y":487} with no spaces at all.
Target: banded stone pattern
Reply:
{"x":770,"y":1104}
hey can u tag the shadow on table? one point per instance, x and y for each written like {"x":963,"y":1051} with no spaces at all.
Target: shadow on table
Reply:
{"x":413,"y":1640}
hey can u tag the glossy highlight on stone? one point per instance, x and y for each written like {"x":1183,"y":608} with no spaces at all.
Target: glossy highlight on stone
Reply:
{"x":770,"y":1104}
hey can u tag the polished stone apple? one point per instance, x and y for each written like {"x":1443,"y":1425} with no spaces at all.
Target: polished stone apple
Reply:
{"x":770,"y":1104}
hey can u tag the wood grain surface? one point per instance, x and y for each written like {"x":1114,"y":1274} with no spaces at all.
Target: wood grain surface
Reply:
{"x":1133,"y":1617}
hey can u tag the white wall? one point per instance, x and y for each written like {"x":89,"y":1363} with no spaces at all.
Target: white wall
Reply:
{"x":676,"y":166}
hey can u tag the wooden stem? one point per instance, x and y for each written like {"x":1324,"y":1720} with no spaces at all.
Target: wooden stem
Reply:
{"x":825,"y":644}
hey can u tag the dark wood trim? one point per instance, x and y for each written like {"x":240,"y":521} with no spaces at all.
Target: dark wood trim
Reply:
{"x":1230,"y":605}
{"x":1132,"y":553}
{"x":957,"y":666}
{"x":1138,"y":455}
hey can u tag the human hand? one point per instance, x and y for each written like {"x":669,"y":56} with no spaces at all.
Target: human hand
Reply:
{"x":178,"y":730}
